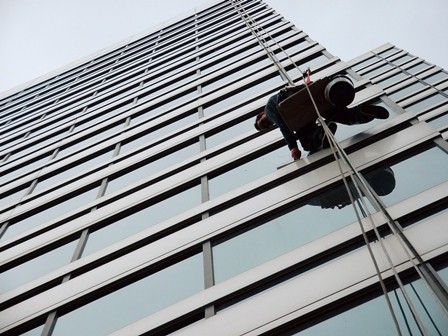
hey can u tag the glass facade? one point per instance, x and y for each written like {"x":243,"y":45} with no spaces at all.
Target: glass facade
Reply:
{"x":136,"y":196}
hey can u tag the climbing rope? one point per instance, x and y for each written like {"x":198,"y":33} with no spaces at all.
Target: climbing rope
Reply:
{"x":356,"y":179}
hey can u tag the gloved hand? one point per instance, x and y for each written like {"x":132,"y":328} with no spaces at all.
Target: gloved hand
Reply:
{"x":295,"y":153}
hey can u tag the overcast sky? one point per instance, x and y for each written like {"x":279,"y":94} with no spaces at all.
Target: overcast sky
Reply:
{"x":39,"y":36}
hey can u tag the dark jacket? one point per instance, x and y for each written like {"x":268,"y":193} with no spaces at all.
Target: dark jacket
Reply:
{"x":274,"y":116}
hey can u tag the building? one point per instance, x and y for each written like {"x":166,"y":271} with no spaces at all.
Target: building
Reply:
{"x":137,"y":197}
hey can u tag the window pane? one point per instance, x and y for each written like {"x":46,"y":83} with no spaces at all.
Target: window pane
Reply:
{"x":230,"y":133}
{"x":388,"y":52}
{"x":402,"y":59}
{"x":417,"y":68}
{"x":35,"y":332}
{"x":283,"y":234}
{"x":51,"y":213}
{"x":36,"y":267}
{"x":431,"y":163}
{"x":360,"y":321}
{"x":136,"y":301}
{"x":434,"y":79}
{"x":152,"y":167}
{"x":143,"y":219}
{"x":295,"y":72}
{"x":377,"y":71}
{"x":426,"y":103}
{"x":440,"y":121}
{"x":241,"y":96}
{"x":37,"y":163}
{"x":92,"y":139}
{"x":406,"y":91}
{"x":12,"y":198}
{"x":247,"y":172}
{"x":365,"y":63}
{"x":147,"y":138}
{"x":236,"y":74}
{"x":65,"y":174}
{"x":391,"y":80}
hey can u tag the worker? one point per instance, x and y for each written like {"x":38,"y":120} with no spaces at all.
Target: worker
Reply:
{"x":312,"y":137}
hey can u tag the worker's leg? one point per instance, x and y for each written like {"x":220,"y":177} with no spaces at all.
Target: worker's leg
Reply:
{"x":358,"y":114}
{"x":308,"y":136}
{"x":312,"y":137}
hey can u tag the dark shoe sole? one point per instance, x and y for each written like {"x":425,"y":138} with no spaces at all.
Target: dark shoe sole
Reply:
{"x":377,"y":112}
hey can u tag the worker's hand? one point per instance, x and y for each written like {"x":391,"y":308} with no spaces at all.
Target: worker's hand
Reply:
{"x":295,"y":153}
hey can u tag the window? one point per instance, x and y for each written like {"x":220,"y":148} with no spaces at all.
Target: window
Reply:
{"x":12,"y":198}
{"x":135,"y":301}
{"x":143,"y":219}
{"x":406,"y":91}
{"x":430,"y":163}
{"x":36,"y":267}
{"x":382,"y":69}
{"x":392,"y":80}
{"x":236,"y":74}
{"x":440,"y":121}
{"x":374,"y":318}
{"x":230,"y":133}
{"x":403,"y":59}
{"x":91,"y":139}
{"x":242,"y":95}
{"x":29,"y":167}
{"x":148,"y":137}
{"x":388,"y":52}
{"x":154,"y":166}
{"x":71,"y":172}
{"x":295,"y":72}
{"x":247,"y":172}
{"x":436,"y":78}
{"x":365,"y":63}
{"x":417,"y":68}
{"x":426,"y":103}
{"x":62,"y":208}
{"x":273,"y":237}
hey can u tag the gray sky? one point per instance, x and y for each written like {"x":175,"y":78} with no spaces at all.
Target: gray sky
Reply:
{"x":39,"y":36}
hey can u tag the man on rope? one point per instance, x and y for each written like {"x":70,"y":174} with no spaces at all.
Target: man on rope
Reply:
{"x":312,"y":137}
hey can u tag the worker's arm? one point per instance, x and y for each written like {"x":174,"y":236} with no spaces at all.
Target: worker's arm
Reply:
{"x":273,"y":115}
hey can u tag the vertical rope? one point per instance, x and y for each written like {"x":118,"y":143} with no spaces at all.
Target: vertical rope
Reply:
{"x":262,"y":41}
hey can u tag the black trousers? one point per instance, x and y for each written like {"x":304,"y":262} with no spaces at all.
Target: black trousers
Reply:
{"x":311,"y":136}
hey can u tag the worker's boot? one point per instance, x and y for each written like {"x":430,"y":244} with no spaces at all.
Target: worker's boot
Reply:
{"x":374,"y":112}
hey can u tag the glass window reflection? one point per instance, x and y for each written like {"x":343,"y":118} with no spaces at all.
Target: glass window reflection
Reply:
{"x":374,"y":318}
{"x":431,"y":163}
{"x":280,"y":235}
